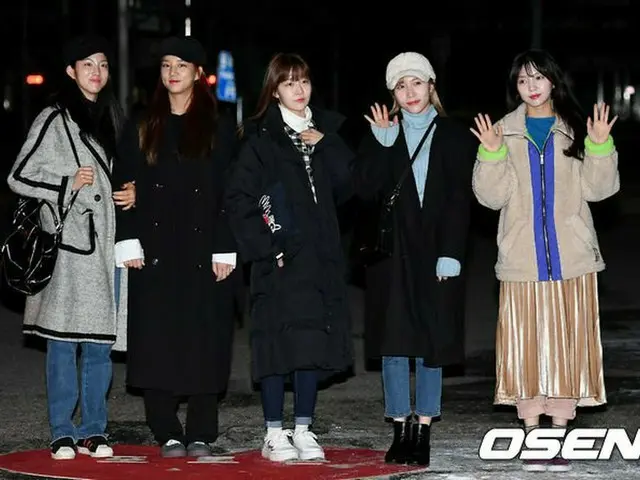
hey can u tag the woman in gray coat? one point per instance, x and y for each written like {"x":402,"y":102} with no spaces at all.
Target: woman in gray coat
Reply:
{"x":66,"y":160}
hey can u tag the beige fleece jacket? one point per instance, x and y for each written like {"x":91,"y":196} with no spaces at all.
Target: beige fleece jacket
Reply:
{"x":502,"y":181}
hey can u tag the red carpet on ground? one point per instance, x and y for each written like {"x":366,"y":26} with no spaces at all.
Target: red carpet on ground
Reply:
{"x":142,"y":462}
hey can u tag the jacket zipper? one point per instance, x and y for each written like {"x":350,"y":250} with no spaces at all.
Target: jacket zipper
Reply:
{"x":545,"y":233}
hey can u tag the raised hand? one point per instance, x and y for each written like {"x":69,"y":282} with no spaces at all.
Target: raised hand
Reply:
{"x":489,"y":136}
{"x":381,"y":117}
{"x":599,"y":127}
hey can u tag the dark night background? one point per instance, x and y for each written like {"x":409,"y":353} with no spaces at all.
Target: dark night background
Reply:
{"x":470,"y":43}
{"x":348,"y":44}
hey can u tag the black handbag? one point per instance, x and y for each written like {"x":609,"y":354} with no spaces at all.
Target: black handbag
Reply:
{"x":378,"y":244}
{"x":29,"y":253}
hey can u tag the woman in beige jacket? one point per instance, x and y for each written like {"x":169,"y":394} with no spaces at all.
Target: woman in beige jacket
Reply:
{"x":539,"y":166}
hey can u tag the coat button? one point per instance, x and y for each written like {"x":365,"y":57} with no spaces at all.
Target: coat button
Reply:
{"x":97,"y":198}
{"x":327,"y":329}
{"x":197,"y":229}
{"x":154,"y":262}
{"x":199,"y":266}
{"x":196,"y":190}
{"x":156,"y":224}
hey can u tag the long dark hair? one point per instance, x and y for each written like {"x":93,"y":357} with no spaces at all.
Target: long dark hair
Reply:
{"x":198,"y":134}
{"x":101,"y":120}
{"x":564,"y":103}
{"x":282,"y":67}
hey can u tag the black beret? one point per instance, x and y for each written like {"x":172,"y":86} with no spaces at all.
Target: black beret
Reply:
{"x":79,"y":48}
{"x":187,"y":48}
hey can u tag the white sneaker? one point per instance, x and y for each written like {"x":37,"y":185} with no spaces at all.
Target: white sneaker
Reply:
{"x":307,"y":446}
{"x":63,"y":449}
{"x":277,"y":446}
{"x":64,"y":453}
{"x":96,"y":446}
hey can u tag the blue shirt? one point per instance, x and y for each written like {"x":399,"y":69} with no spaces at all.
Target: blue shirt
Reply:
{"x":539,"y":128}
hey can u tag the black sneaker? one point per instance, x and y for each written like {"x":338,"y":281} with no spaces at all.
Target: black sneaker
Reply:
{"x":63,"y":449}
{"x":96,"y":446}
{"x":173,"y":449}
{"x":199,"y":449}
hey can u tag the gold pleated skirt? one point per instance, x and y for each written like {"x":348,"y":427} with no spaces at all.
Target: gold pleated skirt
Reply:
{"x":548,"y":341}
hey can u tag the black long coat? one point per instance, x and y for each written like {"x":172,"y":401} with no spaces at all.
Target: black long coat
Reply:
{"x":300,"y":313}
{"x":180,"y":320}
{"x":407,"y":311}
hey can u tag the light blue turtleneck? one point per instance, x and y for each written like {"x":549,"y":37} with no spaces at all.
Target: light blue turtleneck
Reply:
{"x":414,"y":126}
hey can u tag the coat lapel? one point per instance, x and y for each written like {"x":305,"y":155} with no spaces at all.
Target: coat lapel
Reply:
{"x":103,"y":164}
{"x":408,"y":200}
{"x":435,"y":178}
{"x":281,"y":148}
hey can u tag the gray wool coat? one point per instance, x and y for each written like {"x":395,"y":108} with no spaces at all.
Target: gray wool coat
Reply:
{"x":78,"y":304}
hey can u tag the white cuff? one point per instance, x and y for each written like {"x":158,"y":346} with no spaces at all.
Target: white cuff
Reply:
{"x":228,"y":258}
{"x":128,"y":250}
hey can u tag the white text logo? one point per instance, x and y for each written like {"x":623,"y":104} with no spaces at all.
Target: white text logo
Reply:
{"x":546,"y":443}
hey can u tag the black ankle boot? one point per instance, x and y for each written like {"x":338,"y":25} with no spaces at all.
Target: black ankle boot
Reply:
{"x":400,"y":450}
{"x":421,"y":437}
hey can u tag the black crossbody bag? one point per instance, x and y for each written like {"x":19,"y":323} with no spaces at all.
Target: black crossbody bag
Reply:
{"x":379,"y":244}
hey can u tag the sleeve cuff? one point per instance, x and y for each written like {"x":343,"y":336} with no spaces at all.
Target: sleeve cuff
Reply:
{"x":228,"y":258}
{"x":448,"y":267}
{"x":128,"y":250}
{"x":486,"y":155}
{"x":386,"y":136}
{"x":598,"y":149}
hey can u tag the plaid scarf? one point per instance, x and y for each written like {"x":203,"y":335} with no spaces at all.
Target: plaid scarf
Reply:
{"x":306,"y":151}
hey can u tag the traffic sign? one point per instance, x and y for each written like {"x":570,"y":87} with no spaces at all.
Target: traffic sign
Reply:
{"x":226,"y":83}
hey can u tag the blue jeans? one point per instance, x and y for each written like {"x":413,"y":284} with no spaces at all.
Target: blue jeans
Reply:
{"x":305,"y":392}
{"x":397,"y":384}
{"x":63,"y":392}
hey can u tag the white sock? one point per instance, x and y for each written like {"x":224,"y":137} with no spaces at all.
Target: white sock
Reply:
{"x":301,"y":428}
{"x":273,"y":430}
{"x":400,"y":419}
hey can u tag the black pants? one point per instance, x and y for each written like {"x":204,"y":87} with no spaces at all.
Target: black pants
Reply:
{"x":161,"y":410}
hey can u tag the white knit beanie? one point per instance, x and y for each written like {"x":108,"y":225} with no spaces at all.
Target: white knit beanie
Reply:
{"x":409,"y":64}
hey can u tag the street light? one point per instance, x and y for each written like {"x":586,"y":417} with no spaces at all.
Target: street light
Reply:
{"x":34,"y":79}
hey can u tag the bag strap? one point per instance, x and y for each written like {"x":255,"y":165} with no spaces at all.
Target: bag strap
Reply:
{"x":396,"y":190}
{"x":63,"y":214}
